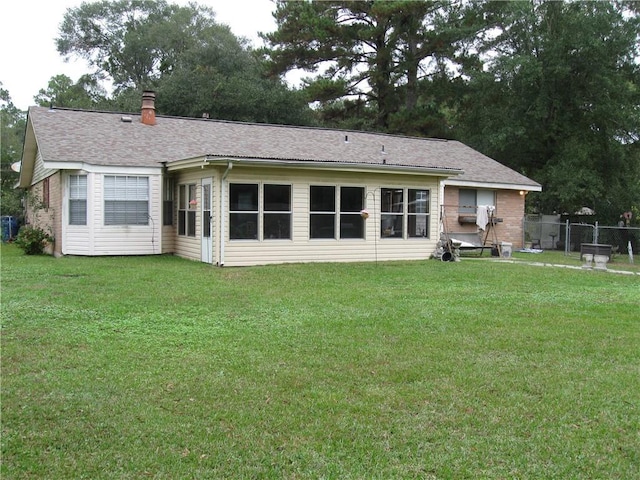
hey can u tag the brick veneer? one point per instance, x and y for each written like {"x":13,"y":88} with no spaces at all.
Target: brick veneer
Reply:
{"x":509,"y":207}
{"x":49,"y":219}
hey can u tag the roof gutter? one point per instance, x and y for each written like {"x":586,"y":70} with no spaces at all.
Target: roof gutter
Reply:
{"x":223,"y":215}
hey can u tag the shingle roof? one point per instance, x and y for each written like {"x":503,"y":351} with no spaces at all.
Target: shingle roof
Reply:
{"x":102,"y":138}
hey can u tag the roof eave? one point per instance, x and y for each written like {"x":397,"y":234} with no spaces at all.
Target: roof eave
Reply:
{"x":529,"y":187}
{"x":216,"y":160}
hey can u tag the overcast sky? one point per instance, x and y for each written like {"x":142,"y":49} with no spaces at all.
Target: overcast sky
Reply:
{"x":28,"y":56}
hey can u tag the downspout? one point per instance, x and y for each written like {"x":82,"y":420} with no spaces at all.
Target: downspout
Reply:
{"x":223,"y":212}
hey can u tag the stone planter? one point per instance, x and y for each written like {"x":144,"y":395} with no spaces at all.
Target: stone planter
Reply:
{"x":600,"y":261}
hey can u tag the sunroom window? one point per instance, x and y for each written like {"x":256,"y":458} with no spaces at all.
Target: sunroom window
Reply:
{"x":243,"y":211}
{"x":187,"y":206}
{"x":392,"y":216}
{"x":405,"y":209}
{"x":277,"y":211}
{"x":325,"y":216}
{"x":167,"y":201}
{"x":322,"y":222}
{"x":351,"y":204}
{"x":418,"y":213}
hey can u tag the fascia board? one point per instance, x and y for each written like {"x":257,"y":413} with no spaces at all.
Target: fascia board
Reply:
{"x":107,"y":169}
{"x":493,"y":185}
{"x":313,"y":165}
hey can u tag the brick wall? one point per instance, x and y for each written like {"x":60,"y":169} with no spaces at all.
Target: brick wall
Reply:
{"x":47,"y":217}
{"x":509,"y":207}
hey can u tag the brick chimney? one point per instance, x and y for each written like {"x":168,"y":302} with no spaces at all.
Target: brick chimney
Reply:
{"x":148,"y":107}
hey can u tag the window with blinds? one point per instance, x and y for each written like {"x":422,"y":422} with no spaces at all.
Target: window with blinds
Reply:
{"x":77,"y":200}
{"x":126,"y":200}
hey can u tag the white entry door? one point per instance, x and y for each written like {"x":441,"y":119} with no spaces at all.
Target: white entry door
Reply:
{"x":207,"y":231}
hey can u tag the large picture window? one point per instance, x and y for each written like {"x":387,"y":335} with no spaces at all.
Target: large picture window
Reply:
{"x":243,"y":211}
{"x":187,"y":206}
{"x":327,"y":212}
{"x":398,"y":214}
{"x":78,"y":200}
{"x":277,"y":211}
{"x":126,"y":200}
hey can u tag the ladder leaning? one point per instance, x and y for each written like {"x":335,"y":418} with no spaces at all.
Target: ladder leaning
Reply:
{"x":494,"y":235}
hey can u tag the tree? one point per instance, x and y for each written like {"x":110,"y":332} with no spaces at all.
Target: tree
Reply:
{"x":558,"y":101}
{"x":194,"y":64}
{"x":134,"y":42}
{"x":62,"y":92}
{"x":225,"y":80}
{"x":372,"y":50}
{"x":12,"y":127}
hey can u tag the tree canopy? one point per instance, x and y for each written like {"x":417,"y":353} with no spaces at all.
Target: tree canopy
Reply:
{"x":195,"y":64}
{"x":551,"y":89}
{"x":548,"y":88}
{"x":559,"y":100}
{"x":62,"y":92}
{"x":379,"y":51}
{"x":12,"y":126}
{"x":134,"y":42}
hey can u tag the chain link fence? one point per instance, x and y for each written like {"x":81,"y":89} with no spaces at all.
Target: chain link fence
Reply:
{"x":550,"y":232}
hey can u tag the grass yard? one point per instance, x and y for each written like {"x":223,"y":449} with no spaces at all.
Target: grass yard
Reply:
{"x":162,"y":368}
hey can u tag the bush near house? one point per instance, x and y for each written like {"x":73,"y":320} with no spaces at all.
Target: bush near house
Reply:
{"x":33,"y":240}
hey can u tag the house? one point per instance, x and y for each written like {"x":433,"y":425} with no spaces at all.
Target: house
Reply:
{"x":230,"y":193}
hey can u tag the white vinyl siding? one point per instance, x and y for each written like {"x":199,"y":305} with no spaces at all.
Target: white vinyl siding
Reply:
{"x":39,"y":172}
{"x":189,"y":246}
{"x":303,"y":248}
{"x":96,"y":238}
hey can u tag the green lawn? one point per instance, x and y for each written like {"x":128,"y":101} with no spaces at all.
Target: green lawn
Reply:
{"x":158,"y":367}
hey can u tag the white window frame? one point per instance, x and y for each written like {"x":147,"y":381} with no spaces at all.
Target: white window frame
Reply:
{"x":187,"y":205}
{"x":266,"y":214}
{"x":414,"y":217}
{"x":339,"y":214}
{"x":78,"y":199}
{"x":398,"y":214}
{"x":251,"y":233}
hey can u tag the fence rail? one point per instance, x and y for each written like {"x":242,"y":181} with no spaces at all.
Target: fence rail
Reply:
{"x":568,"y":236}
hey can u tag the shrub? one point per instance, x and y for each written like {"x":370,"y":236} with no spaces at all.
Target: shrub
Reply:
{"x":32,"y":240}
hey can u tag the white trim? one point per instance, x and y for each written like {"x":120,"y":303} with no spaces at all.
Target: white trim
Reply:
{"x":492,"y":185}
{"x":104,"y":169}
{"x":319,"y":165}
{"x":206,"y":242}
